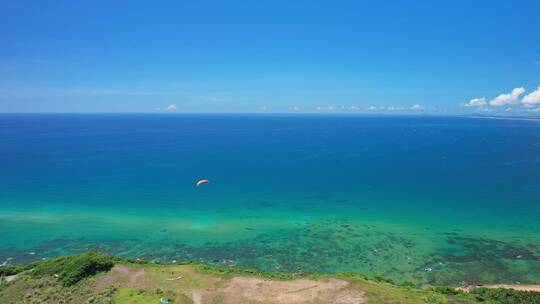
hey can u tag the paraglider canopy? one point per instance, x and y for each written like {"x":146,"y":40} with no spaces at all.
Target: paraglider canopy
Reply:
{"x":202,"y":181}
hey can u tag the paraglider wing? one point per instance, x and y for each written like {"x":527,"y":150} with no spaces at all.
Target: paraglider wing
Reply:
{"x":202,"y":181}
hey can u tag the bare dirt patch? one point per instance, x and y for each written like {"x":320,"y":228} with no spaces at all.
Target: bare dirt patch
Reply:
{"x":196,"y":296}
{"x":256,"y":290}
{"x":10,"y":278}
{"x":120,"y":273}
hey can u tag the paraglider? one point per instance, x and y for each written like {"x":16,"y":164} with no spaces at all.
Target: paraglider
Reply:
{"x":202,"y":181}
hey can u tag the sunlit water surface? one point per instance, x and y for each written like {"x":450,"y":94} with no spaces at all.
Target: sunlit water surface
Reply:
{"x":426,"y":199}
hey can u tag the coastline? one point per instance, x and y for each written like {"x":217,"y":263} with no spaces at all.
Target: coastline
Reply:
{"x":435,"y":256}
{"x":96,"y":278}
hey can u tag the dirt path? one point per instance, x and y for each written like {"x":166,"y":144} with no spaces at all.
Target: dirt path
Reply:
{"x":196,"y":296}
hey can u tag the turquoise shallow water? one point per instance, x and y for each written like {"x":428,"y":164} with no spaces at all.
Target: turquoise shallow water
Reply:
{"x":427,"y":199}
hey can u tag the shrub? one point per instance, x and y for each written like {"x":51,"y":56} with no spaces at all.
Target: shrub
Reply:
{"x":446,"y":290}
{"x":407,"y":284}
{"x":14,"y":269}
{"x":506,"y":296}
{"x":436,"y":299}
{"x":72,"y":269}
{"x":352,"y":276}
{"x":383,"y":279}
{"x":214,"y":270}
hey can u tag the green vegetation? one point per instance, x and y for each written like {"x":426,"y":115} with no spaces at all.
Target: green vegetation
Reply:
{"x":506,"y":296}
{"x":29,"y":290}
{"x":352,"y":276}
{"x":14,"y":269}
{"x":447,"y":290}
{"x":228,"y":272}
{"x":128,"y":295}
{"x":72,"y":269}
{"x":407,"y":284}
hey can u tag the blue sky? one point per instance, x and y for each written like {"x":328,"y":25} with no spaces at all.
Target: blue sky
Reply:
{"x":269,"y":56}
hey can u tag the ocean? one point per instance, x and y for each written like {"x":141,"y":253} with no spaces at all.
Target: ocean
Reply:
{"x":439,"y":200}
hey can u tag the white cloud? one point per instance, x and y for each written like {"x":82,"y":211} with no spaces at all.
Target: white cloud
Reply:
{"x":532,"y":98}
{"x":476,"y":102}
{"x":418,"y":107}
{"x":354,"y":108}
{"x":506,"y":99}
{"x":534,"y":110}
{"x":296,"y":108}
{"x":508,"y":109}
{"x":329,"y":108}
{"x":392,"y":108}
{"x":170,"y":107}
{"x":372,"y":108}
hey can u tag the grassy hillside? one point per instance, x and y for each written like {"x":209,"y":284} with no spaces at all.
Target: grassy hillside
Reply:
{"x":95,"y":278}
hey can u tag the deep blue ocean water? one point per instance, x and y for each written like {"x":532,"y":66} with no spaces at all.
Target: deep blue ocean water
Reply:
{"x":428,"y":199}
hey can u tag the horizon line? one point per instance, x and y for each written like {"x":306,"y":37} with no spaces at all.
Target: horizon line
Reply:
{"x":424,"y":114}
